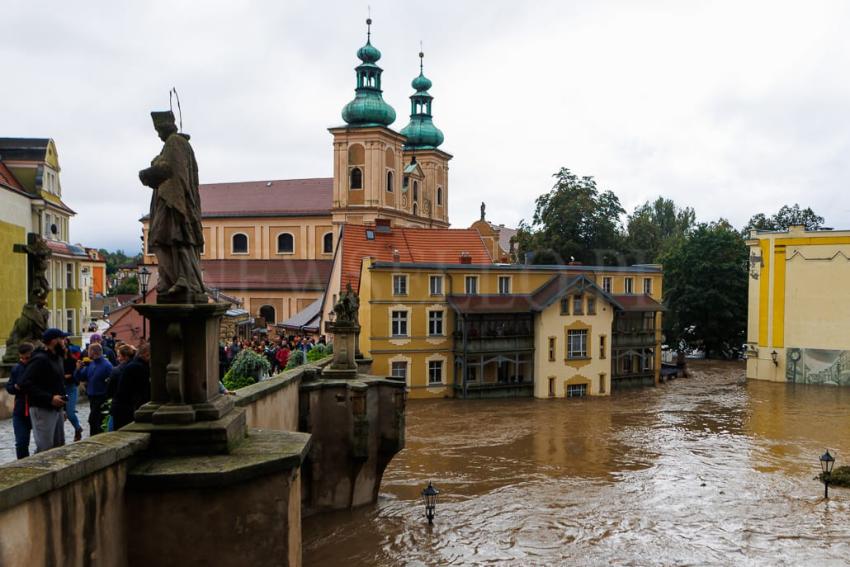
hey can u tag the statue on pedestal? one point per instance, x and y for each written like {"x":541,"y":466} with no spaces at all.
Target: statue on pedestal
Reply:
{"x":175,"y":234}
{"x":346,"y":307}
{"x":33,"y":320}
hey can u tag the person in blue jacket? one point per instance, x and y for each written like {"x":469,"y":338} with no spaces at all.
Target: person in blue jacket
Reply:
{"x":95,"y":375}
{"x":21,"y":423}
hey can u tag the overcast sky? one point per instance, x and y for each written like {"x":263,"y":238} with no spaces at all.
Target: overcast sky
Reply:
{"x":732,"y":108}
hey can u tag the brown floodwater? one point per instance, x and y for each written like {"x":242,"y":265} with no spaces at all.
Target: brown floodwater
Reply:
{"x":710,"y":469}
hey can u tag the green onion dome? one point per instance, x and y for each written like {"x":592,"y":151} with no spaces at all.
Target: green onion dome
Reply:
{"x":420,"y":132}
{"x":368,"y":107}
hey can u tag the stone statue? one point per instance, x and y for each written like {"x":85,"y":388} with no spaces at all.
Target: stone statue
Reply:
{"x":33,"y":320}
{"x":347,"y":307}
{"x":175,"y":234}
{"x":483,"y":208}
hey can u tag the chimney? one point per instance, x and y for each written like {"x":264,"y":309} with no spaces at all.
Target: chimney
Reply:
{"x":396,"y":256}
{"x":465,"y":258}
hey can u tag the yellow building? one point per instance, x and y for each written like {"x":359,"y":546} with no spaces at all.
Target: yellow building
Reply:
{"x":31,"y":201}
{"x":496,"y":330}
{"x":797,"y":325}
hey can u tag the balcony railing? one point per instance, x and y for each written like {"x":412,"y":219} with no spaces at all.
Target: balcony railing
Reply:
{"x":494,"y":344}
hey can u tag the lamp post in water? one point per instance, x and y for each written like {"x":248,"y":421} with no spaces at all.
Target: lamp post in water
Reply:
{"x":826,"y":463}
{"x":429,"y":497}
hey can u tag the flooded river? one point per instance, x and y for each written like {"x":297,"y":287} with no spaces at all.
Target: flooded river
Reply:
{"x":705,"y":470}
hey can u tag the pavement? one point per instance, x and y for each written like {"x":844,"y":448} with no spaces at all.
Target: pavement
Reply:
{"x":7,"y":436}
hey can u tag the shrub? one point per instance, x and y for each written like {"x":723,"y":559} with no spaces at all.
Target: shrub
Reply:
{"x":234,"y":383}
{"x":246,"y":369}
{"x":295,"y":359}
{"x":329,"y":349}
{"x":318,"y":352}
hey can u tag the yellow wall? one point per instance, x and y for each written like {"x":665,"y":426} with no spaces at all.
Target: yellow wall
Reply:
{"x":13,"y":277}
{"x":594,"y":371}
{"x":377,"y":301}
{"x":797,"y":296}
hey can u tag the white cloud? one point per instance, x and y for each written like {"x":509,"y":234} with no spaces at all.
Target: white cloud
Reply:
{"x":730,"y":107}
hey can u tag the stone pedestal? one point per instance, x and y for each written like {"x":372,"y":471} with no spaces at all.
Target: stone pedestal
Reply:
{"x":343,"y":367}
{"x":184,"y":364}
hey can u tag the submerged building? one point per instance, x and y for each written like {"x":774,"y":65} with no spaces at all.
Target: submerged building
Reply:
{"x":798,"y":326}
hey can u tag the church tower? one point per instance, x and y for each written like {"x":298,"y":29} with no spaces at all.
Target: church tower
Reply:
{"x":421,"y":148}
{"x":369,"y":162}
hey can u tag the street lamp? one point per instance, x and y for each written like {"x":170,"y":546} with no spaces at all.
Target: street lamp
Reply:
{"x":826,"y":463}
{"x":144,"y":277}
{"x":429,"y":497}
{"x":774,"y":356}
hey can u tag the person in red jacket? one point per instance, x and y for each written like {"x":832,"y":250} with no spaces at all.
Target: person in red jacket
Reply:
{"x":282,"y":356}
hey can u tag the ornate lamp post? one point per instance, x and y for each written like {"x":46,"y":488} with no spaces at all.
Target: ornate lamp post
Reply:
{"x":144,"y":277}
{"x":795,"y":358}
{"x":826,"y":463}
{"x":429,"y":497}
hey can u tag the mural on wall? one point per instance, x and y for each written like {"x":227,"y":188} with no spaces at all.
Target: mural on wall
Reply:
{"x":818,"y":366}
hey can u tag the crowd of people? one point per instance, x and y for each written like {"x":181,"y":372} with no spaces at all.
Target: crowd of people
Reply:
{"x":276,"y":350}
{"x":47,"y":379}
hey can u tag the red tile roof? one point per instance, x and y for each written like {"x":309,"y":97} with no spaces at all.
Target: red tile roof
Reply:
{"x":8,"y":178}
{"x":267,"y":274}
{"x":638,"y":303}
{"x":65,"y":249}
{"x":414,"y":245}
{"x":273,"y":198}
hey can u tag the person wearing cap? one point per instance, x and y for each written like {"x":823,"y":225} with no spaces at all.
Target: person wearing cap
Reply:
{"x":43,"y":383}
{"x":21,"y":423}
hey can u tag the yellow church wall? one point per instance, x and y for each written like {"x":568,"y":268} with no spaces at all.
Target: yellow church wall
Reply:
{"x":13,"y":277}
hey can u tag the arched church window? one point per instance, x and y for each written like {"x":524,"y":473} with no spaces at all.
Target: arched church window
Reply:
{"x":439,"y":196}
{"x":239,"y":243}
{"x":328,"y":243}
{"x":390,"y":181}
{"x":267,"y":313}
{"x":416,"y":191}
{"x":356,"y":181}
{"x":285,"y":243}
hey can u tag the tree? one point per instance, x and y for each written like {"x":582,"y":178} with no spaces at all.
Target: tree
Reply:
{"x":705,"y":289}
{"x":656,"y":226}
{"x":118,"y":258}
{"x":785,"y":218}
{"x":128,"y":286}
{"x":573,"y":221}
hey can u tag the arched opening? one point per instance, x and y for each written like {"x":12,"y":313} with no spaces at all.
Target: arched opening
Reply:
{"x":285,"y":243}
{"x":415,"y":191}
{"x":239,"y":243}
{"x":415,"y":208}
{"x":390,"y":181}
{"x":267,"y":313}
{"x":356,"y":179}
{"x":439,"y":196}
{"x":328,"y":243}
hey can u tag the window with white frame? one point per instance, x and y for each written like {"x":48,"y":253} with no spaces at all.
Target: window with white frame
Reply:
{"x":400,"y":284}
{"x":629,"y":285}
{"x":576,"y":390}
{"x":435,"y":284}
{"x":504,"y":285}
{"x":471,"y":285}
{"x":578,"y":305}
{"x":435,"y":323}
{"x":606,"y":284}
{"x":399,"y":323}
{"x":647,"y":286}
{"x":69,"y":276}
{"x":239,"y":243}
{"x":577,"y":343}
{"x":69,"y":321}
{"x":285,"y":243}
{"x":399,"y":370}
{"x":435,"y":371}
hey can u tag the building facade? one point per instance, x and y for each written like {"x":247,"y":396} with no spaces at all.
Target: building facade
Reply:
{"x":798,"y":319}
{"x":494,"y":330}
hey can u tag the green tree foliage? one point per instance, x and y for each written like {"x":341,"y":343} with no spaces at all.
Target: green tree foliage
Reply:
{"x":129,"y":286}
{"x":655,"y":227}
{"x":573,"y":221}
{"x":295,"y":359}
{"x":318,"y":352}
{"x":785,"y":218}
{"x":705,"y":289}
{"x":118,"y":258}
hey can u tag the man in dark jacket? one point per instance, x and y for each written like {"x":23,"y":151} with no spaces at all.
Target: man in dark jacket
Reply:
{"x":134,"y":388}
{"x":44,"y":384}
{"x":95,"y":374}
{"x":21,"y":423}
